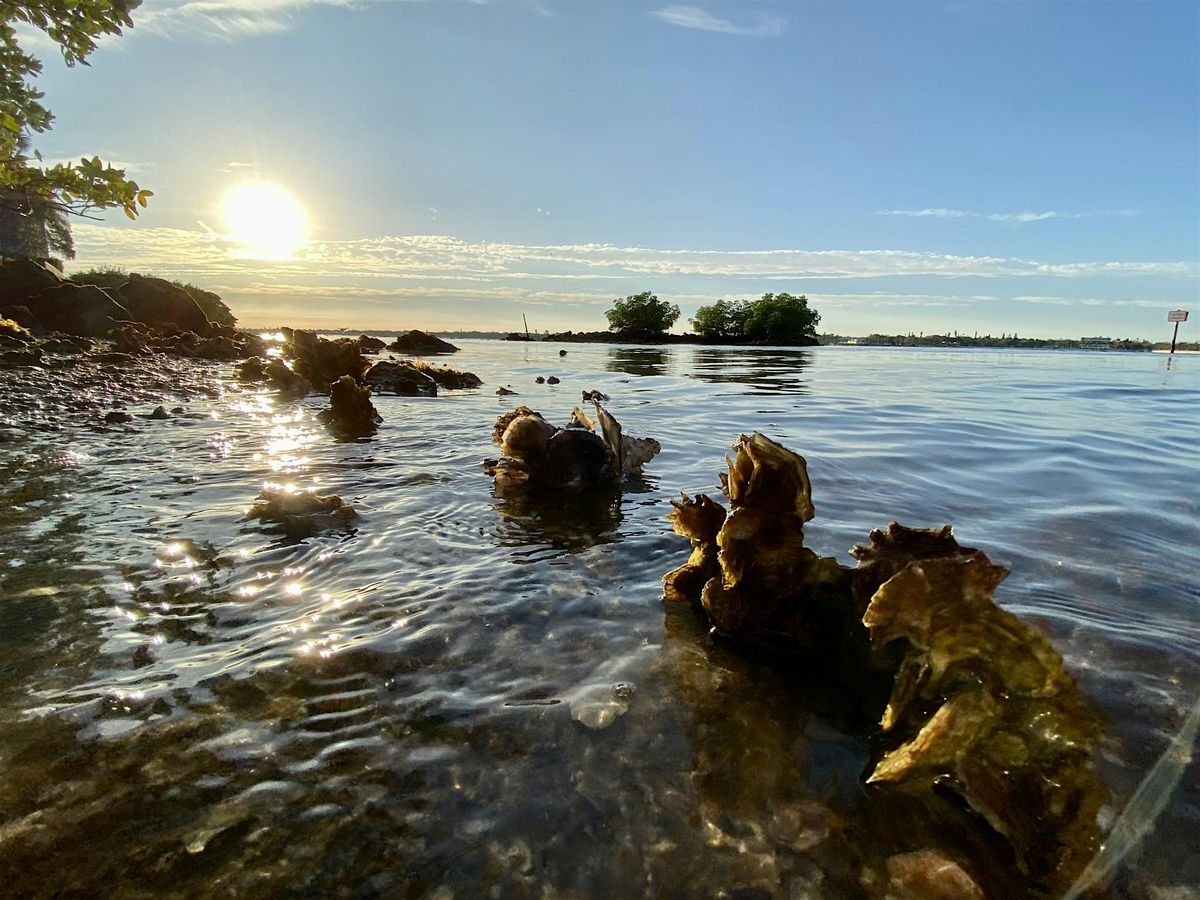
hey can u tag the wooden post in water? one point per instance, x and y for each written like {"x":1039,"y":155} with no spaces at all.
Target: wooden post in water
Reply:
{"x":1176,"y":316}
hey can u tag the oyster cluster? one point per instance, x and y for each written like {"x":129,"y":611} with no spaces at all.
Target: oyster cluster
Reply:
{"x":585,"y":452}
{"x":977,"y":702}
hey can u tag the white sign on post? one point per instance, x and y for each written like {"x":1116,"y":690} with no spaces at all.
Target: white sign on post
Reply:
{"x":1177,"y":315}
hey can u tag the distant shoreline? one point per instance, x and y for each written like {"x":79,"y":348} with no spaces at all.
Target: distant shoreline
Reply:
{"x":932,"y":342}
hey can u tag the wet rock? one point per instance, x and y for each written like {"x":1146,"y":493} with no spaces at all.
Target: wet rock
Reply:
{"x":291,"y":385}
{"x":594,"y":396}
{"x":302,"y":514}
{"x":538,"y":455}
{"x":253,"y":370}
{"x":420,"y":343}
{"x":402,"y":379}
{"x":142,"y":657}
{"x":552,"y":380}
{"x":128,"y":339}
{"x":157,"y":302}
{"x":351,"y":411}
{"x":12,"y":359}
{"x":562,"y":352}
{"x":64,"y":344}
{"x":159,"y":413}
{"x":117,"y":417}
{"x":504,"y":391}
{"x":541,"y":379}
{"x":114,"y":358}
{"x":218,"y":348}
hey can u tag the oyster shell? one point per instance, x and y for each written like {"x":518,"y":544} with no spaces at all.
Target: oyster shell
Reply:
{"x":536,"y":454}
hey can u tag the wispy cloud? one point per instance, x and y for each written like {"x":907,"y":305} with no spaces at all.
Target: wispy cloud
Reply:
{"x":442,"y":257}
{"x":1018,"y":218}
{"x":227,"y":20}
{"x":702,"y":20}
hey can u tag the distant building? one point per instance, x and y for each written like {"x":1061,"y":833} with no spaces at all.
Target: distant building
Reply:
{"x":1095,"y":343}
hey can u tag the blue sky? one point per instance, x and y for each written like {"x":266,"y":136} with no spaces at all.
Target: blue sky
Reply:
{"x":999,"y":166}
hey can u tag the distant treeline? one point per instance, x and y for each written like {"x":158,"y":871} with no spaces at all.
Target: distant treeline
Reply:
{"x":1004,"y":340}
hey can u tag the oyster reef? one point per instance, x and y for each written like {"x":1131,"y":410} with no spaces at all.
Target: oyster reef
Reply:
{"x":979,"y":704}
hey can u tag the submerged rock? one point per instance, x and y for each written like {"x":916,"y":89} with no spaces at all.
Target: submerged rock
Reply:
{"x":302,"y":514}
{"x":539,"y":455}
{"x":421,"y":343}
{"x":974,"y":702}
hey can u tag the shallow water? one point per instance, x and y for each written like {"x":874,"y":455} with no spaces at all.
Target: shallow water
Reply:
{"x":462,"y":696}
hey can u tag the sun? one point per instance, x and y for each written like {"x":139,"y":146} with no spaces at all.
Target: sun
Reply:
{"x":265,"y":221}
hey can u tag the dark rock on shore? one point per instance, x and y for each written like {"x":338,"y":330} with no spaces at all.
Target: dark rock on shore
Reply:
{"x":76,"y":309}
{"x":23,"y":278}
{"x":10,"y":359}
{"x":156,"y":302}
{"x":420,"y":343}
{"x":368,"y":344}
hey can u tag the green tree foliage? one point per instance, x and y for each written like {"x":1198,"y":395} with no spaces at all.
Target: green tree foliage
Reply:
{"x":724,"y":319}
{"x":772,"y":319}
{"x":641,"y":315}
{"x":28,"y":187}
{"x":782,"y":319}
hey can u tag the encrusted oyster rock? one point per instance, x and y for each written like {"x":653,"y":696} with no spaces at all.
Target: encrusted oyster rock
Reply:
{"x":766,"y":585}
{"x":977,"y":702}
{"x":322,"y":361}
{"x":537,"y":454}
{"x":351,"y":411}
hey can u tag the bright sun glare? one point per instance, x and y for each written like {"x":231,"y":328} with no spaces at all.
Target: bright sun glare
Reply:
{"x":265,"y":221}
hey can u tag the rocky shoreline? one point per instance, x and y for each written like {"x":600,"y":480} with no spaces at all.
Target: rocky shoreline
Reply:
{"x":50,"y":322}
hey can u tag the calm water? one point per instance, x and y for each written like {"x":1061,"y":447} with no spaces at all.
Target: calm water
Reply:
{"x":462,"y":697}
